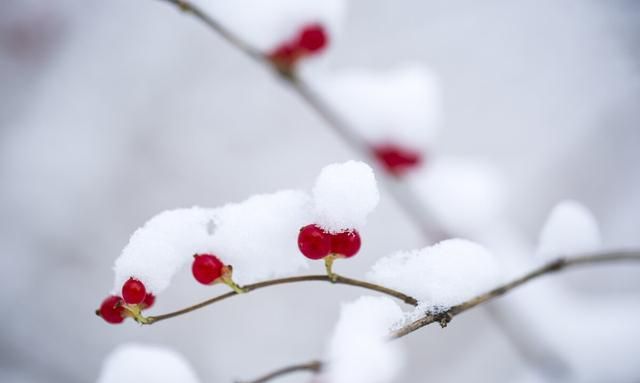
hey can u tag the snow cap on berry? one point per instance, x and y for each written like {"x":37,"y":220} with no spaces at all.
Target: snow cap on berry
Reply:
{"x":440,"y":276}
{"x":343,"y":195}
{"x":137,"y":363}
{"x":570,"y":229}
{"x":358,"y":351}
{"x":400,"y":107}
{"x":268,"y":24}
{"x":464,"y":195}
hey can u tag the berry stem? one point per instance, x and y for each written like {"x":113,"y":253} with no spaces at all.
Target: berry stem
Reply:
{"x":227,"y":280}
{"x":135,"y":311}
{"x":328,"y":265}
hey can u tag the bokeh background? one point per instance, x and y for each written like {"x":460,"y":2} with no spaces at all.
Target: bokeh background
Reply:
{"x":113,"y":111}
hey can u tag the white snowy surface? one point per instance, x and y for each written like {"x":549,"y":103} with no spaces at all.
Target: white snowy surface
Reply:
{"x":401,"y":106}
{"x":344,"y":195}
{"x":570,"y":228}
{"x":140,"y":363}
{"x":135,"y":107}
{"x":162,"y":246}
{"x":358,"y":350}
{"x":257,"y":237}
{"x":265,"y":24}
{"x":464,"y":194}
{"x":439,"y":276}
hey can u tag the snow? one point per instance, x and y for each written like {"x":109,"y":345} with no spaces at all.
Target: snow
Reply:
{"x":465,"y":195}
{"x":439,"y":276}
{"x":265,"y":24}
{"x":344,"y":195}
{"x":157,"y":250}
{"x":358,"y":351}
{"x":137,"y":363}
{"x":401,"y":106}
{"x":257,"y":237}
{"x":570,"y":229}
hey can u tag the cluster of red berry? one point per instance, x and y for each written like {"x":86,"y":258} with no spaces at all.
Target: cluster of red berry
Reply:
{"x":134,"y":296}
{"x":316,"y":243}
{"x":396,"y":159}
{"x":206,"y":268}
{"x":311,"y":40}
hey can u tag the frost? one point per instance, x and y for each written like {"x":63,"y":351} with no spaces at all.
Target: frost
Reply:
{"x":265,"y":24}
{"x":439,"y":276}
{"x":358,"y":351}
{"x":570,"y":229}
{"x":343,"y":195}
{"x":402,"y":106}
{"x":464,"y":195}
{"x":136,"y":363}
{"x":257,"y":237}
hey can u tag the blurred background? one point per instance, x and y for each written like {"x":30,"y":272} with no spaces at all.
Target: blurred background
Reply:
{"x":113,"y":111}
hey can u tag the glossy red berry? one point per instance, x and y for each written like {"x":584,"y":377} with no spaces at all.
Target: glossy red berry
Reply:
{"x":314,"y":242}
{"x":149,"y":300}
{"x":133,"y":291}
{"x":313,"y":38}
{"x":111,"y":309}
{"x":397,"y":160}
{"x":346,"y":243}
{"x":206,"y":268}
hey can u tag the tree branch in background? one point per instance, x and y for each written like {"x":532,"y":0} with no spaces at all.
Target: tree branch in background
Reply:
{"x":445,"y":317}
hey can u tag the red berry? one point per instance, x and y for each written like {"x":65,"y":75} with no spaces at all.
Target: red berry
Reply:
{"x":206,"y":268}
{"x":346,"y":243}
{"x":397,"y":160}
{"x":133,"y":291}
{"x":111,"y":309}
{"x":314,"y":243}
{"x":313,"y":38}
{"x":149,"y":300}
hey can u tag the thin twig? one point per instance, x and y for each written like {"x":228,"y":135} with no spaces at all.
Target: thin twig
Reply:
{"x":551,"y":267}
{"x":314,"y":366}
{"x":445,"y":317}
{"x":273,"y":282}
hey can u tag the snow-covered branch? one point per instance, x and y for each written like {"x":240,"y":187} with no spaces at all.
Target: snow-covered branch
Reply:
{"x":443,"y":318}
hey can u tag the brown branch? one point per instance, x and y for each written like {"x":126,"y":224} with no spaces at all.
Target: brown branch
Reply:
{"x":445,"y":317}
{"x":314,"y":366}
{"x":551,"y":267}
{"x":273,"y":282}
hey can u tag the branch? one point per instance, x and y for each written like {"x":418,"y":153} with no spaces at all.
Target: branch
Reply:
{"x":273,"y":282}
{"x":445,"y":317}
{"x":314,"y":366}
{"x":217,"y":27}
